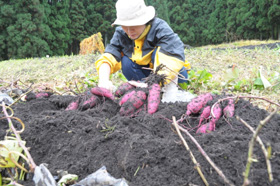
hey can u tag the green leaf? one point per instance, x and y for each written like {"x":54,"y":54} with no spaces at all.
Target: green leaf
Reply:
{"x":184,"y":86}
{"x":204,"y":76}
{"x":258,"y":82}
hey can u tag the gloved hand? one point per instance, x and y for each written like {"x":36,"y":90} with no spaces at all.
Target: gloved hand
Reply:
{"x":138,"y":84}
{"x":107,"y":84}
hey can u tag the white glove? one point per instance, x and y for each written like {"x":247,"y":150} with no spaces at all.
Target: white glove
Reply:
{"x":138,"y":84}
{"x":108,"y":85}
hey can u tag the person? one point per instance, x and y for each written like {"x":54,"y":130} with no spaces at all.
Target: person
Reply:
{"x":141,"y":42}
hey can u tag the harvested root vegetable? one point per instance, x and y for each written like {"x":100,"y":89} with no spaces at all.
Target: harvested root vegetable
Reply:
{"x":99,"y":91}
{"x":73,"y":105}
{"x":134,"y":102}
{"x":153,"y":98}
{"x":32,"y":95}
{"x":229,"y":109}
{"x":217,"y":111}
{"x":43,"y":95}
{"x":126,"y":97}
{"x":197,"y":103}
{"x":89,"y":103}
{"x":123,"y":88}
{"x":205,"y":114}
{"x":206,"y":128}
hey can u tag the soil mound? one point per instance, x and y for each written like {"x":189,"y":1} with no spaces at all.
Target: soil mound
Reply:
{"x":145,"y":149}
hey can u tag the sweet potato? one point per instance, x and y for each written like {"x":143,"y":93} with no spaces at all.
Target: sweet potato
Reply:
{"x":134,"y":102}
{"x":73,"y":105}
{"x":43,"y":94}
{"x":229,"y":109}
{"x":99,"y":91}
{"x":89,"y":103}
{"x":205,"y":114}
{"x":126,"y":97}
{"x":217,"y":111}
{"x":32,"y":95}
{"x":206,"y":128}
{"x":153,"y":98}
{"x":197,"y":103}
{"x":123,"y":88}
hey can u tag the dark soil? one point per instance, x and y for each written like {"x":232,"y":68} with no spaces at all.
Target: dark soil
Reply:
{"x":144,"y":149}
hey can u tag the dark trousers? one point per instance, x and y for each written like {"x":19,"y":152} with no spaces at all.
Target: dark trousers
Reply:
{"x":133,"y":71}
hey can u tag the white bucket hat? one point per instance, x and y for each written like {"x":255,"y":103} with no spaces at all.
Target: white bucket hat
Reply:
{"x":133,"y":13}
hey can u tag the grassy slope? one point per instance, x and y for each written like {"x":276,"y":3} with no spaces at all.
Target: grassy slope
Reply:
{"x":71,"y":72}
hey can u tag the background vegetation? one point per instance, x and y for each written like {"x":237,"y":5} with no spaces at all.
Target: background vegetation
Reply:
{"x":36,"y":28}
{"x":228,"y":70}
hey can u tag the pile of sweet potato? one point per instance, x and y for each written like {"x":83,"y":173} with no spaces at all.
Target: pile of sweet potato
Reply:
{"x":211,"y":113}
{"x":135,"y":99}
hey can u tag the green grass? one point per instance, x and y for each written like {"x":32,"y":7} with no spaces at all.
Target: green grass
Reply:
{"x":232,"y":71}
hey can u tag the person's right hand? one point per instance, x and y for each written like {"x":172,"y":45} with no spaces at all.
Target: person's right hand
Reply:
{"x":108,"y":85}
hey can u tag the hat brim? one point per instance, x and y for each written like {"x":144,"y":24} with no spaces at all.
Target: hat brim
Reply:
{"x":141,"y":20}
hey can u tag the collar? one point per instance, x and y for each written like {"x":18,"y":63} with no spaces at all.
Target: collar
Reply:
{"x":145,"y":32}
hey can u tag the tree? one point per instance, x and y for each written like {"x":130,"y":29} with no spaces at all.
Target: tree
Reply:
{"x":246,"y":18}
{"x":100,"y":15}
{"x":58,"y":21}
{"x":77,"y":29}
{"x":274,"y":18}
{"x":6,"y":19}
{"x":217,"y":23}
{"x":263,"y":24}
{"x":25,"y":32}
{"x":232,"y":25}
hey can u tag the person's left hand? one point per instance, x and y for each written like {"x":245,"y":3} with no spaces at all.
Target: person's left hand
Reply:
{"x":138,"y":84}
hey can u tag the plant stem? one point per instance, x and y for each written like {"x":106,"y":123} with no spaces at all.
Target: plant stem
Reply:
{"x":251,"y":147}
{"x":220,"y":173}
{"x":33,"y":165}
{"x":191,"y":154}
{"x":268,"y":164}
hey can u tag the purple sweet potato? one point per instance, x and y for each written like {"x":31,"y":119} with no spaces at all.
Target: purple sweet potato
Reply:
{"x":126,"y":97}
{"x":32,"y":95}
{"x":206,"y":128}
{"x":217,"y":111}
{"x":205,"y":114}
{"x":153,"y":98}
{"x":43,"y":95}
{"x":73,"y":105}
{"x":89,"y":103}
{"x":134,"y":102}
{"x":229,"y":109}
{"x":99,"y":91}
{"x":197,"y":103}
{"x":123,"y":88}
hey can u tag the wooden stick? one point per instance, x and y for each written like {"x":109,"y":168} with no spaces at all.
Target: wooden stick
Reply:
{"x":268,"y":164}
{"x":33,"y":165}
{"x":251,"y":147}
{"x":191,"y":154}
{"x":220,"y":173}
